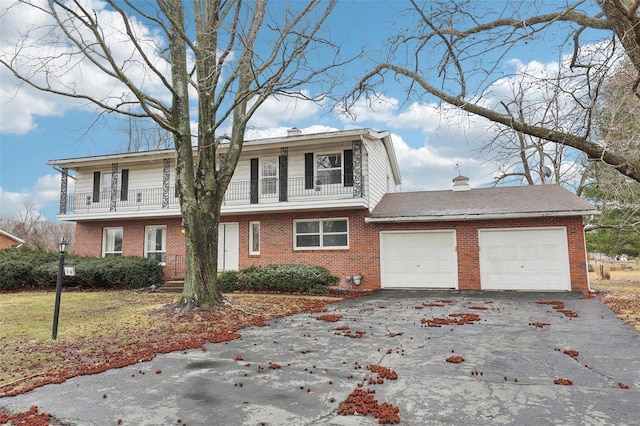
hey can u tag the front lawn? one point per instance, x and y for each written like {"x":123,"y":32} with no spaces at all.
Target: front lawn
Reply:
{"x":621,"y":290}
{"x":102,"y":330}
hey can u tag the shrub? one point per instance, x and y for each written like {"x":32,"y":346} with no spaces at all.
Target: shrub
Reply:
{"x":29,"y":268}
{"x":279,"y":278}
{"x":228,"y":281}
{"x":17,"y":266}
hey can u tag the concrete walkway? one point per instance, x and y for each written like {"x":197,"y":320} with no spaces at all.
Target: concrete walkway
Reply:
{"x":511,"y":359}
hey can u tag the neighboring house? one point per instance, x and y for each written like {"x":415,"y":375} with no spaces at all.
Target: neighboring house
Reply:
{"x":329,"y":199}
{"x":7,"y":240}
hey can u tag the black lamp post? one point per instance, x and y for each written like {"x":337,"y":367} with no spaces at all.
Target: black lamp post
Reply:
{"x":62,"y":246}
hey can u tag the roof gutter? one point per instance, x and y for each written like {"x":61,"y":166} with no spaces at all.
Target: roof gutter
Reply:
{"x":466,"y":217}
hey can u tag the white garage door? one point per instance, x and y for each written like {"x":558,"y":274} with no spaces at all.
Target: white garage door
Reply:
{"x":524,"y":259}
{"x":418,"y":259}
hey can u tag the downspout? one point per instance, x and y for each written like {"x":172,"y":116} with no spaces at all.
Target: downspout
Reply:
{"x":586,"y":260}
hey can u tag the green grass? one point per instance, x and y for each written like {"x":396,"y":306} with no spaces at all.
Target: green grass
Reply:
{"x":29,"y":316}
{"x":26,"y":321}
{"x":102,"y":330}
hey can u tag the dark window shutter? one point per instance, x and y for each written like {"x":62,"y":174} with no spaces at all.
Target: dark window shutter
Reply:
{"x":254,"y":181}
{"x":96,"y":187}
{"x":308,"y":171}
{"x":124,"y":185}
{"x":348,"y":167}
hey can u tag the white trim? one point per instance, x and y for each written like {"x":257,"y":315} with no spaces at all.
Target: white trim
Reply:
{"x":466,"y":217}
{"x":320,"y":234}
{"x":451,"y":232}
{"x":316,"y":169}
{"x":272,"y":180}
{"x":164,"y":241}
{"x":13,"y":237}
{"x":251,"y":240}
{"x":104,"y":240}
{"x":316,"y":205}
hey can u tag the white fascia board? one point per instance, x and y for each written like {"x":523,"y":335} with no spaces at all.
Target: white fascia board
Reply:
{"x":128,"y":157}
{"x":466,"y":217}
{"x":303,"y":139}
{"x":350,"y":203}
{"x":244,"y":209}
{"x":391,"y":154}
{"x":306,"y":139}
{"x":12,"y":237}
{"x":121,"y":215}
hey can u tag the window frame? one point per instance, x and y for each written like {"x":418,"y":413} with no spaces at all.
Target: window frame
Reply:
{"x":268,"y":184}
{"x":252,"y":251}
{"x":317,"y":169}
{"x":149,"y":228}
{"x":105,"y":242}
{"x":321,"y":234}
{"x":105,"y":185}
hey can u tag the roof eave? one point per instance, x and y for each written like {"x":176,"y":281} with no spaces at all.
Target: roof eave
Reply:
{"x":12,"y":237}
{"x":468,"y":217}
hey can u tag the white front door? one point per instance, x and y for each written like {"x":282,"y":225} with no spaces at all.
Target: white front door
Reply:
{"x":524,"y":259}
{"x":418,"y":259}
{"x":228,"y":246}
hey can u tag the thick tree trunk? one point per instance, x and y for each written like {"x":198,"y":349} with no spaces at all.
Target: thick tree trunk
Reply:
{"x":201,"y":235}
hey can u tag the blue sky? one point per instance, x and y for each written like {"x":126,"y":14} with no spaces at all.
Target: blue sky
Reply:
{"x":35,"y":128}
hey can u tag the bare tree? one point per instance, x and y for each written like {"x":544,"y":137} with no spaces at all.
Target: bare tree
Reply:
{"x":145,"y":135}
{"x":453,"y":52}
{"x":220,"y":58}
{"x":617,"y":229}
{"x":30,"y":225}
{"x":520,"y":157}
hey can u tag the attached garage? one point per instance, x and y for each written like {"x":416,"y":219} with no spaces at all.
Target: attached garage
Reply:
{"x":418,"y":259}
{"x":531,"y":259}
{"x":526,"y":238}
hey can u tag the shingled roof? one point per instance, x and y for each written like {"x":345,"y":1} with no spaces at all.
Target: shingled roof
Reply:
{"x":480,"y":203}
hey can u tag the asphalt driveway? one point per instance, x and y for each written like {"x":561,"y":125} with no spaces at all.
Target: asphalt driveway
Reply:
{"x":298,"y":369}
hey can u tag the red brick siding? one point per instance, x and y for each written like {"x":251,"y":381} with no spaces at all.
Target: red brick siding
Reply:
{"x":276,"y":245}
{"x":363,"y":255}
{"x":468,"y":246}
{"x":6,"y":242}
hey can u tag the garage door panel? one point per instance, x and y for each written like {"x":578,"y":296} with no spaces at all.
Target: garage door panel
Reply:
{"x":418,"y":259}
{"x":524,"y":259}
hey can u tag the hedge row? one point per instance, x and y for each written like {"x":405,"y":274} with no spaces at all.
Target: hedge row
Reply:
{"x":278,"y":278}
{"x":26,"y":268}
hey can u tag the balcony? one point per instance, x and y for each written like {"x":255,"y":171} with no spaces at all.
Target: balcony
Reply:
{"x":264,"y":193}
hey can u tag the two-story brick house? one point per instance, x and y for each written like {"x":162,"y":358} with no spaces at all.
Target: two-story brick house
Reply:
{"x":328,"y":199}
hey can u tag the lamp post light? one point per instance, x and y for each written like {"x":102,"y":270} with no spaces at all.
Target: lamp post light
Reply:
{"x":62,"y":247}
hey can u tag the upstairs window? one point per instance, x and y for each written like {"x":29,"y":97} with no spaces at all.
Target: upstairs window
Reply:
{"x":102,"y":185}
{"x":321,"y":234}
{"x":155,"y":243}
{"x":269,"y":171}
{"x":329,"y":168}
{"x":111,"y":242}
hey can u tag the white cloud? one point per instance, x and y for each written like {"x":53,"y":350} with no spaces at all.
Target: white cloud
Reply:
{"x":377,"y":108}
{"x":19,"y":106}
{"x":283,"y":111}
{"x":423,"y":168}
{"x":33,"y":45}
{"x":45,"y":195}
{"x":11,"y":203}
